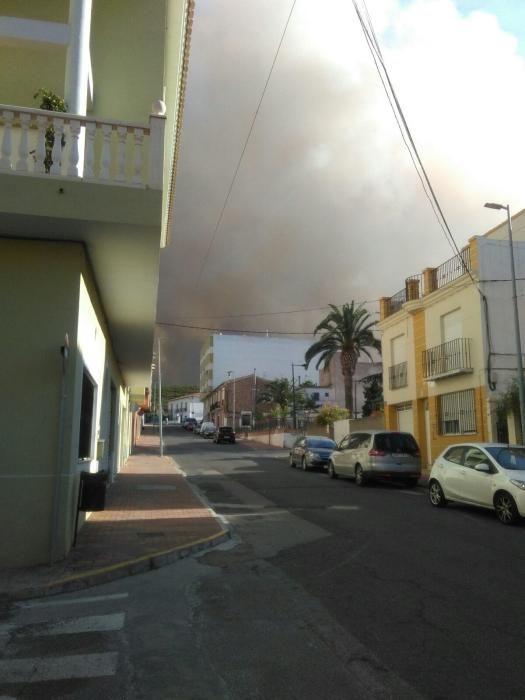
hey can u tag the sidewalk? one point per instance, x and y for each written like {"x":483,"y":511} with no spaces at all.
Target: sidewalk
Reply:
{"x":152,"y":518}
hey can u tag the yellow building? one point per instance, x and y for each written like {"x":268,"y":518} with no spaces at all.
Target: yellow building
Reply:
{"x":85,"y":203}
{"x":448,"y":345}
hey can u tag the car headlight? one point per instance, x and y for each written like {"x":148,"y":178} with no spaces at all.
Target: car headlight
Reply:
{"x":310,"y":454}
{"x":518,"y":483}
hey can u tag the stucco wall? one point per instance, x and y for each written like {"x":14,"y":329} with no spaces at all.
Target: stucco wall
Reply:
{"x":39,"y":465}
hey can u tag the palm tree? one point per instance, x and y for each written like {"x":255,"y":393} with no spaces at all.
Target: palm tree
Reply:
{"x":349,"y":330}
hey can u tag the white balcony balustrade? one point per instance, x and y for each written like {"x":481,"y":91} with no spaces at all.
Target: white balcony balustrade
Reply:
{"x":105,"y":151}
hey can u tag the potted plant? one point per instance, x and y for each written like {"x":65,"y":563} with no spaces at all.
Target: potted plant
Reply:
{"x":53,"y":103}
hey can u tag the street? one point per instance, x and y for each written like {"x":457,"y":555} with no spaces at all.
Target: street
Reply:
{"x":326,"y":590}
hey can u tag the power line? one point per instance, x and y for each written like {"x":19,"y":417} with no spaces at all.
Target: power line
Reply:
{"x":376,"y":51}
{"x":272,"y":313}
{"x":243,"y":331}
{"x":236,"y":171}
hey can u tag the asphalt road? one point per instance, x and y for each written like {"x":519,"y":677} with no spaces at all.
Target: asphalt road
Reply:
{"x":327,"y":590}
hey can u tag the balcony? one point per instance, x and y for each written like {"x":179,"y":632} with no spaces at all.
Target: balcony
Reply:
{"x":433,"y":278}
{"x":101,"y":151}
{"x":447,"y":359}
{"x":398,"y":375}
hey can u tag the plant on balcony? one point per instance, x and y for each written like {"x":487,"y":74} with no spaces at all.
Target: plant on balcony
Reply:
{"x":53,"y":103}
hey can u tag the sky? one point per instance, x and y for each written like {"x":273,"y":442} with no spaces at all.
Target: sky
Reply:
{"x":309,"y":197}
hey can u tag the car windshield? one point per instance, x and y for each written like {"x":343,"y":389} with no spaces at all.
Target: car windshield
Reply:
{"x":324,"y":443}
{"x":400,"y":443}
{"x":508,"y":457}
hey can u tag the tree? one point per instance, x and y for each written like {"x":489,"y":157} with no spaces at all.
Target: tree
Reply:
{"x":329,"y":414}
{"x":373,"y":392}
{"x":278,"y":391}
{"x":347,"y":330}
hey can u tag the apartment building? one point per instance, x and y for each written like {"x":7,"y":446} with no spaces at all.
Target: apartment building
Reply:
{"x":85,"y":204}
{"x":448,"y":345}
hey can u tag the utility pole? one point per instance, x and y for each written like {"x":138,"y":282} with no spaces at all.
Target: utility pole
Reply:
{"x":161,"y":412}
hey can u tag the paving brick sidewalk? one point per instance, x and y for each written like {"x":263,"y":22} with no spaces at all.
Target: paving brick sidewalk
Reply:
{"x":152,"y":517}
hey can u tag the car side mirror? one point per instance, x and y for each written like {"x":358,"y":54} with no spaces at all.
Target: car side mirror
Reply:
{"x":483,"y":467}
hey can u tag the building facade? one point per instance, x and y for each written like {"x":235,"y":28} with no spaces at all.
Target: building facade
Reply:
{"x":84,"y":209}
{"x":332,"y":377}
{"x":187,"y":406}
{"x":235,"y":401}
{"x":448,"y":345}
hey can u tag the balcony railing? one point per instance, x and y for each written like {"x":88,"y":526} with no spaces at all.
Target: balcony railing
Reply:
{"x":105,"y":151}
{"x":451,"y":269}
{"x":449,"y":358}
{"x":398,"y":376}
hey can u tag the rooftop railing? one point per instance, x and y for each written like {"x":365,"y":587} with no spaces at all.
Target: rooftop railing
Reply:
{"x":417,"y":286}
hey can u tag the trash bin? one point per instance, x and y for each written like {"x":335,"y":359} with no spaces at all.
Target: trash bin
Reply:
{"x":92,"y":491}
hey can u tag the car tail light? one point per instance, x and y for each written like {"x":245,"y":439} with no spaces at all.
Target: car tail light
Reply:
{"x":376,"y":453}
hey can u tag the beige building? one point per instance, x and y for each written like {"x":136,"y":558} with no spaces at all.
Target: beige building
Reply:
{"x":448,"y":345}
{"x":84,"y":208}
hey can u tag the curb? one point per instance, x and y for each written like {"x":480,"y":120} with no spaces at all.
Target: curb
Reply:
{"x":130,"y":567}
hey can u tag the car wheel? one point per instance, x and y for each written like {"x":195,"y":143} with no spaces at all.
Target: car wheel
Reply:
{"x":359,"y":476}
{"x":436,"y":495}
{"x":506,"y":508}
{"x":304,"y":465}
{"x":331,"y":471}
{"x":292,"y":463}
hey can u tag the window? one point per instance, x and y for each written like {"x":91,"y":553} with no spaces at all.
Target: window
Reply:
{"x":457,"y":413}
{"x":455,"y":454}
{"x":343,"y":445}
{"x":87,"y":404}
{"x":451,"y":326}
{"x":396,"y":443}
{"x":475,"y":456}
{"x":315,"y":396}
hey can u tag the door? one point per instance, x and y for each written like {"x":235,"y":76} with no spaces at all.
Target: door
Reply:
{"x":405,"y":419}
{"x":451,"y":472}
{"x":476,"y":485}
{"x":340,"y":456}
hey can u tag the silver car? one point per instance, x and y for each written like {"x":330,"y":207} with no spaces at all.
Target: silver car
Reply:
{"x":374,"y":454}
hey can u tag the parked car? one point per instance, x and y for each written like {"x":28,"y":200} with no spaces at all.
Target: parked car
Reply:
{"x":377,"y":454}
{"x":189,"y":423}
{"x":207,"y":429}
{"x":224,"y":434}
{"x":490,"y":475}
{"x":311,"y":451}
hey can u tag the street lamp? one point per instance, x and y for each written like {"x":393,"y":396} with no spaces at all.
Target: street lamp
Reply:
{"x":231,"y":373}
{"x":294,"y":413}
{"x":521,"y":385}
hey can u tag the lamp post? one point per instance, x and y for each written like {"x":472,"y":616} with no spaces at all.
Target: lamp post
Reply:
{"x":519,"y":359}
{"x":294,"y":413}
{"x":231,"y":373}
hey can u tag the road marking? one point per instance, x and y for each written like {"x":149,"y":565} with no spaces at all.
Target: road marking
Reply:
{"x":413,"y":493}
{"x":36,"y":670}
{"x":237,"y":505}
{"x":75,"y":625}
{"x":343,"y":508}
{"x":71,"y":601}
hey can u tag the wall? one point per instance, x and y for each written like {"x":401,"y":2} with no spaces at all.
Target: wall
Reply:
{"x":39,"y":464}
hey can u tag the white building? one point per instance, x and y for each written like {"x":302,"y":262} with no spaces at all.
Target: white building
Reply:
{"x":271,"y":357}
{"x":187,"y":406}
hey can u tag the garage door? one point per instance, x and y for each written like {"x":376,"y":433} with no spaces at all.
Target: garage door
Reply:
{"x":405,"y":419}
